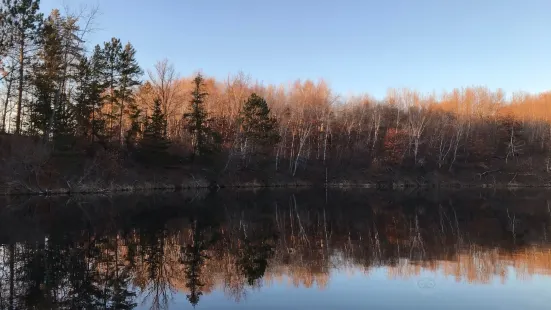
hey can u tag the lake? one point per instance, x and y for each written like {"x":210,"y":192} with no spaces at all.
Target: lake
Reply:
{"x":278,"y":249}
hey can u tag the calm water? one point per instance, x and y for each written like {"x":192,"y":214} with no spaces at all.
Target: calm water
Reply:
{"x":278,"y":250}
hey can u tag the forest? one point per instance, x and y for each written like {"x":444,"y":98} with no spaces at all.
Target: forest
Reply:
{"x":75,"y":117}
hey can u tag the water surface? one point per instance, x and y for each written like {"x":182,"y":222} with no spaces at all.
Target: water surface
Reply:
{"x":277,"y":250}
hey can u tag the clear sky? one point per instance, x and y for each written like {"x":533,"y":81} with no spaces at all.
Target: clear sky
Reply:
{"x":355,"y":45}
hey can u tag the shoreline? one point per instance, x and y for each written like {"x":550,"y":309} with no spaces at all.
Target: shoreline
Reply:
{"x":203,"y":185}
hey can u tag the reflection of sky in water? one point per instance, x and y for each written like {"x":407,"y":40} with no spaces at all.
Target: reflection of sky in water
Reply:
{"x":466,"y":253}
{"x":353,"y":289}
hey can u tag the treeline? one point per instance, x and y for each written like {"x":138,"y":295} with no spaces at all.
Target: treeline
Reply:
{"x":73,"y":100}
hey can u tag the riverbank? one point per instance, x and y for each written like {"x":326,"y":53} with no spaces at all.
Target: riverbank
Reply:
{"x":203,"y":184}
{"x":30,"y":167}
{"x":46,"y":173}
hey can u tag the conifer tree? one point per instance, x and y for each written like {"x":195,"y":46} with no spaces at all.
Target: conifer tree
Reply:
{"x":46,"y":78}
{"x":89,"y":101}
{"x":134,"y":114}
{"x":259,"y":128}
{"x":6,"y":66}
{"x":23,"y":19}
{"x":154,"y":143}
{"x":112,"y":52}
{"x":122,"y":74}
{"x":193,"y":259}
{"x":6,"y":36}
{"x":58,"y":55}
{"x":156,"y":126}
{"x":205,"y":140}
{"x":253,"y":259}
{"x":84,"y":106}
{"x":63,"y":124}
{"x":130,"y":73}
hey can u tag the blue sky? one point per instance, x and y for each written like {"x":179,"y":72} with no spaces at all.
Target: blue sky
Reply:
{"x":355,"y":45}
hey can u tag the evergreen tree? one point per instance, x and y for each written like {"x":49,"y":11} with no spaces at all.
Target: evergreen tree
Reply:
{"x":122,"y":75}
{"x":58,"y":55}
{"x":6,"y":36}
{"x":205,"y":140}
{"x":154,"y":143}
{"x":63,"y":123}
{"x":112,"y":52}
{"x":83,"y":280}
{"x":253,"y":259}
{"x":83,"y":105}
{"x":134,"y":114}
{"x":193,"y":259}
{"x":47,"y":74}
{"x":6,"y":64}
{"x":130,"y":73}
{"x":259,"y":128}
{"x":156,"y":126}
{"x":121,"y":297}
{"x":22,"y":18}
{"x":89,"y":101}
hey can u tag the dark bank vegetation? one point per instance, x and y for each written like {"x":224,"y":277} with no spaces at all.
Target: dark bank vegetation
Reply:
{"x":77,"y":118}
{"x":115,"y":252}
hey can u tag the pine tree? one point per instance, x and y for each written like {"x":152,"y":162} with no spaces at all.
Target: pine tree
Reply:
{"x":121,"y":296}
{"x":84,"y":106}
{"x":89,"y":101}
{"x":259,"y":128}
{"x":112,"y":52}
{"x":154,"y":144}
{"x":134,"y":114}
{"x":22,"y":18}
{"x":253,"y":259}
{"x":193,"y":258}
{"x":47,"y":76}
{"x":6,"y":35}
{"x":205,"y":140}
{"x":6,"y":74}
{"x":130,"y":73}
{"x":59,"y":52}
{"x":122,"y":75}
{"x":63,"y":124}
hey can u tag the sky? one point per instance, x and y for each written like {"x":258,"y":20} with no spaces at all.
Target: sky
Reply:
{"x":357,"y":46}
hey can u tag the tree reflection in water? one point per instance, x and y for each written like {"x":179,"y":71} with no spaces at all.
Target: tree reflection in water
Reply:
{"x":120,"y":252}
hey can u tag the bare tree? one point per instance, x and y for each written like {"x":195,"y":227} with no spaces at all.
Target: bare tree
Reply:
{"x":417,"y":115}
{"x":164,"y":79}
